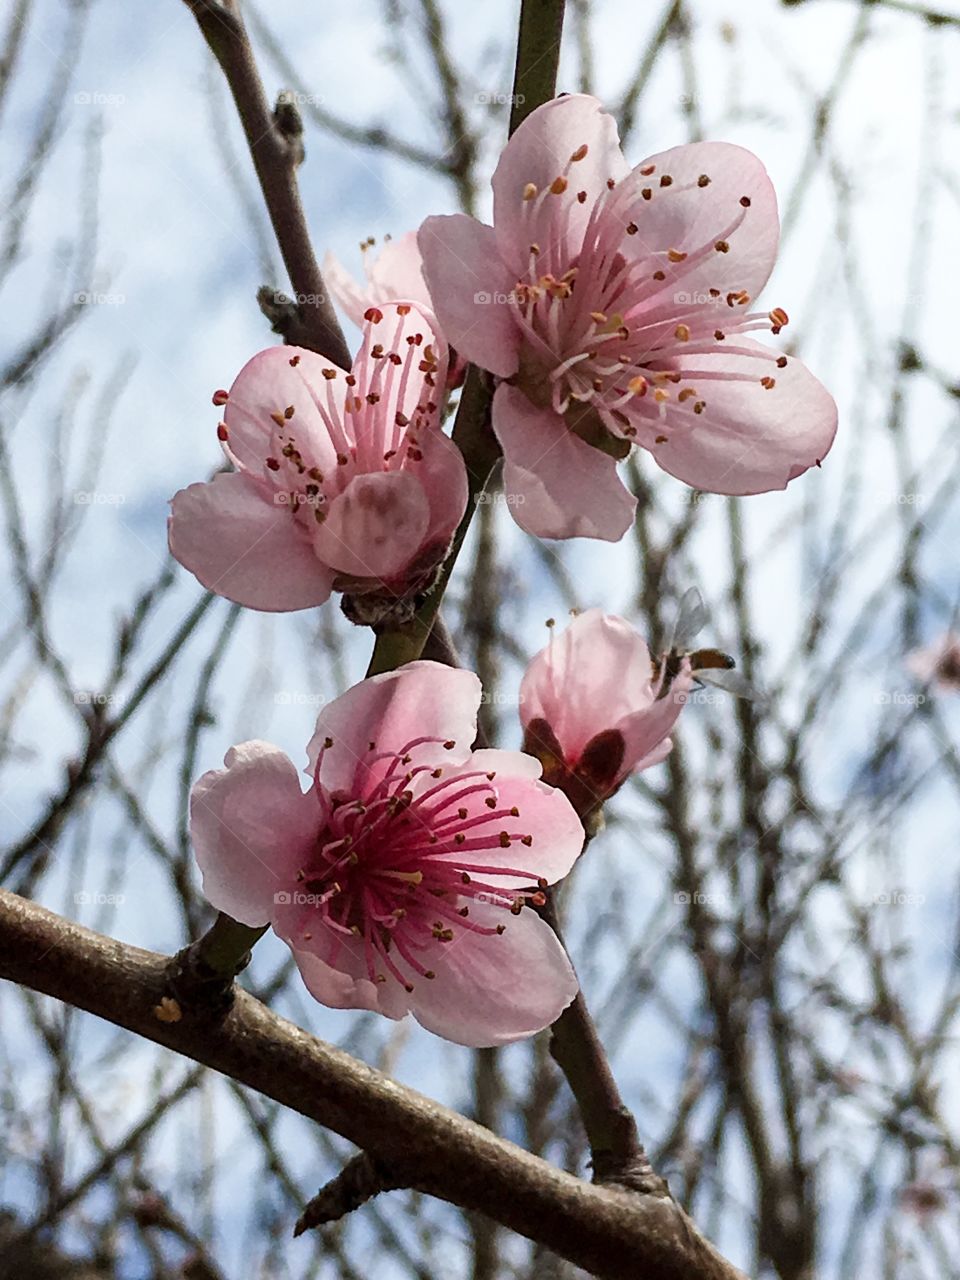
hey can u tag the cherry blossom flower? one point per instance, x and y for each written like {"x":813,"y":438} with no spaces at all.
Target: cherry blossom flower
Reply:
{"x":938,"y":664}
{"x":595,"y":709}
{"x":614,"y":305}
{"x":401,"y":878}
{"x":343,"y":481}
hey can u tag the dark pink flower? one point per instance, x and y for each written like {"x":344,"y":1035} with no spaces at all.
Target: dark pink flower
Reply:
{"x":400,"y":878}
{"x":344,"y":481}
{"x":594,"y":710}
{"x":614,"y":306}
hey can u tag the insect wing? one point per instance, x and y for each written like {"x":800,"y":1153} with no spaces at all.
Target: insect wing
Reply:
{"x":691,"y":619}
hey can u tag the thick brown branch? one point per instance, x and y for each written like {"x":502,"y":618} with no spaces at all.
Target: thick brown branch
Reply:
{"x":609,"y":1232}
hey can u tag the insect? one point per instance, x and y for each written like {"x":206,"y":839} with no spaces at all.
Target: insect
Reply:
{"x":709,"y":666}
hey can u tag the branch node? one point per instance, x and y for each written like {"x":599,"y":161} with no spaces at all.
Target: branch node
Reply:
{"x":358,"y":1181}
{"x":194,"y":989}
{"x":289,"y":123}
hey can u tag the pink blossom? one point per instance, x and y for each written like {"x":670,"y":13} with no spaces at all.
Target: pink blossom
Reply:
{"x":613,"y":305}
{"x":938,"y":664}
{"x":595,"y":709}
{"x":395,"y":274}
{"x":342,"y":482}
{"x":399,"y":880}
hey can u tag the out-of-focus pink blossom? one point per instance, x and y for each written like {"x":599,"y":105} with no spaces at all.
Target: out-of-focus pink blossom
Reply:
{"x":400,"y":879}
{"x":395,"y":274}
{"x":614,"y":306}
{"x":938,"y":664}
{"x":343,"y":481}
{"x":594,"y":709}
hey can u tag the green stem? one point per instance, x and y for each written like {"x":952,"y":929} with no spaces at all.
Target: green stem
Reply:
{"x":538,"y":55}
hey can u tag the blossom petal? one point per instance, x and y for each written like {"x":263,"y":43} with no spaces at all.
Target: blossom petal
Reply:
{"x":443,"y":474}
{"x":591,"y":675}
{"x":546,"y":817}
{"x":396,"y":274}
{"x":645,"y":732}
{"x":230,"y":534}
{"x":469,"y":288}
{"x":539,"y":153}
{"x":350,"y":295}
{"x":692,"y":219}
{"x":748,"y":439}
{"x":344,"y":984}
{"x":250,"y":824}
{"x":273,"y":382}
{"x":420,"y":700}
{"x":557,"y":486}
{"x":375,"y":527}
{"x":492,"y":990}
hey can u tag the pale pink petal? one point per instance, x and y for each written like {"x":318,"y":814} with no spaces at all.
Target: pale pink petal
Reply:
{"x":375,"y":527}
{"x":557,"y":486}
{"x":592,"y":673}
{"x":748,"y":439}
{"x":233,"y":536}
{"x":272,"y":382}
{"x":420,"y":700}
{"x":352,"y":298}
{"x":494,"y":990}
{"x":470,"y":289}
{"x":396,"y":274}
{"x":345,"y":984}
{"x":693,"y":219}
{"x":443,"y":474}
{"x":545,"y":815}
{"x":645,"y":732}
{"x":251,"y":825}
{"x":539,"y":153}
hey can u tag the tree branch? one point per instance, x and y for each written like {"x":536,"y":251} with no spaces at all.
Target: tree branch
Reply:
{"x":613,"y":1234}
{"x":275,"y":147}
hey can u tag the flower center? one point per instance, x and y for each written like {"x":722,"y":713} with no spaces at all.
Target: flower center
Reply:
{"x":400,"y":869}
{"x":613,"y":322}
